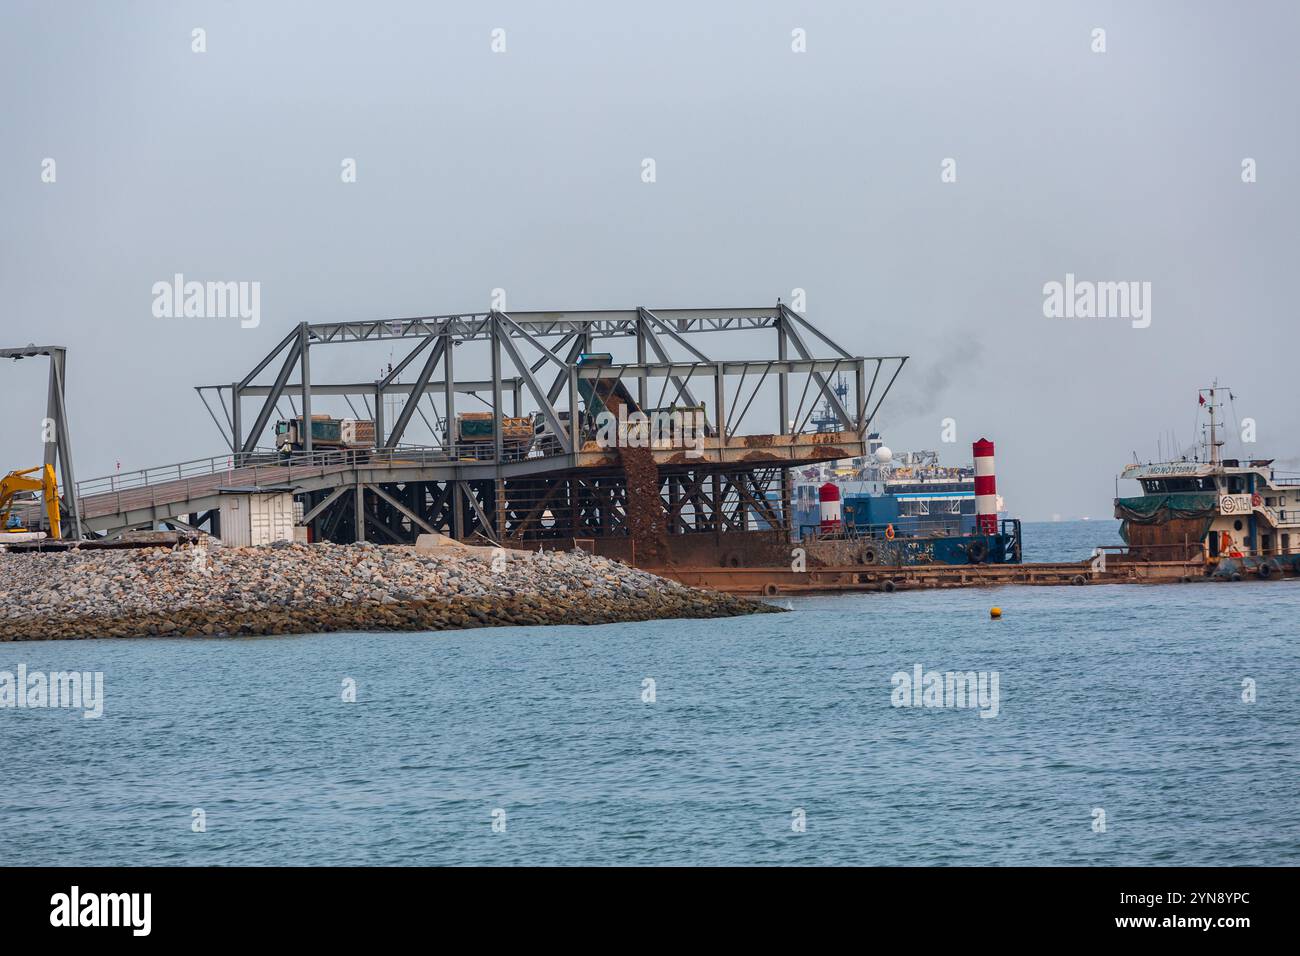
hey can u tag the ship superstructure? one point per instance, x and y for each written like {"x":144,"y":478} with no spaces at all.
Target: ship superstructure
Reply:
{"x":910,"y":489}
{"x":1223,"y":508}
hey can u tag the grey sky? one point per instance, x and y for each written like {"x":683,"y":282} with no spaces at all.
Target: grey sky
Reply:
{"x":775,"y":171}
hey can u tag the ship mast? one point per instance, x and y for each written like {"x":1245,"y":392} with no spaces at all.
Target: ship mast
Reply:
{"x":1214,"y":443}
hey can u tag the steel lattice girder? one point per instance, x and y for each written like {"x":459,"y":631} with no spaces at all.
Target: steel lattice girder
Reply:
{"x":653,"y":329}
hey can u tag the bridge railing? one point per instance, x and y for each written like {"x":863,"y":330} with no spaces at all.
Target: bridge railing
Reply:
{"x":269,"y":467}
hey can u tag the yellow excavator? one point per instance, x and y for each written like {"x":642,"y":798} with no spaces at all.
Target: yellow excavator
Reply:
{"x":41,"y":478}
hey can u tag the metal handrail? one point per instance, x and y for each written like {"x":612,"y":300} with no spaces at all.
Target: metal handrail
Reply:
{"x":281,"y":466}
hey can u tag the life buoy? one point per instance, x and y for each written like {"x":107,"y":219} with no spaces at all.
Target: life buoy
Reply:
{"x":1256,"y":501}
{"x":889,"y":532}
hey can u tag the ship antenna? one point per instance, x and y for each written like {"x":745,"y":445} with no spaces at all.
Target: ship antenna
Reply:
{"x":1214,"y":444}
{"x":1212,"y":407}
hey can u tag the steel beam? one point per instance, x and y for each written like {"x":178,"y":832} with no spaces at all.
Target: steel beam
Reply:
{"x":562,"y":376}
{"x":663,"y":326}
{"x":783,"y":386}
{"x":797,"y":341}
{"x":498,"y":439}
{"x":789,"y":313}
{"x":305,"y":373}
{"x":402,"y":509}
{"x":359,"y":512}
{"x":321,"y":508}
{"x":541,"y":398}
{"x":272,"y":396}
{"x":417,"y":392}
{"x":293,"y":337}
{"x":236,"y":415}
{"x":485,"y":526}
{"x":653,"y":341}
{"x":449,"y":391}
{"x":367,"y":389}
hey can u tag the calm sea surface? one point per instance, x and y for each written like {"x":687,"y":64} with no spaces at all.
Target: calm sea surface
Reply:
{"x":1124,"y":699}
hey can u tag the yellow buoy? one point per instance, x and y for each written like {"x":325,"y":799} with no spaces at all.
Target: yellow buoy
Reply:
{"x":995,"y":612}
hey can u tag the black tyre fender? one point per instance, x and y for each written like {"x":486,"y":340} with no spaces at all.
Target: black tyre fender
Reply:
{"x":977,"y":551}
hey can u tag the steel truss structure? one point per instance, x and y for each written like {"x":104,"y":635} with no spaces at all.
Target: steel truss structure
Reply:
{"x":736,"y":476}
{"x":524,"y":339}
{"x":549,"y":509}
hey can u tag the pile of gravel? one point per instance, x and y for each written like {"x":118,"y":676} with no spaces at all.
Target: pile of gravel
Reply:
{"x":294,"y":588}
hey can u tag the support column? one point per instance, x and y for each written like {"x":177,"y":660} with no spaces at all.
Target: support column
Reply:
{"x":236,"y":419}
{"x":718,"y":506}
{"x":499,"y":502}
{"x":643,"y":383}
{"x":787,"y":504}
{"x":449,"y":389}
{"x":57,"y":412}
{"x":306,"y":388}
{"x":782,"y":353}
{"x":860,"y":378}
{"x":359,"y":511}
{"x":575,"y":422}
{"x":52,"y":414}
{"x":720,"y":406}
{"x":497,"y":437}
{"x":457,"y":511}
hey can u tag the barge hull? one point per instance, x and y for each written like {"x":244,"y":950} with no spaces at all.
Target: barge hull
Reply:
{"x":775,"y":582}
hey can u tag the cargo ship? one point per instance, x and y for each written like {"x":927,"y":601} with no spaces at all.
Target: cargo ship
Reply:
{"x":1239,"y":515}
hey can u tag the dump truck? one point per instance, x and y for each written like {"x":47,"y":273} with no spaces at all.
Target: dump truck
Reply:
{"x":326,"y":433}
{"x":603,"y":394}
{"x":475,"y":429}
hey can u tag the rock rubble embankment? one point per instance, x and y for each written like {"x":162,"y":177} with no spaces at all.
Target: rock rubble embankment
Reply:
{"x":293,"y":589}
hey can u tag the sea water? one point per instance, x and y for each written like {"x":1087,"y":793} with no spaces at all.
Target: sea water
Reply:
{"x":1135,"y":725}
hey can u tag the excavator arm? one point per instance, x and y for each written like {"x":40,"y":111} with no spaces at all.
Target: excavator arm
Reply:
{"x":16,"y":481}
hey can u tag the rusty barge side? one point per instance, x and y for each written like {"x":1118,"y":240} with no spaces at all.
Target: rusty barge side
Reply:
{"x":775,"y":582}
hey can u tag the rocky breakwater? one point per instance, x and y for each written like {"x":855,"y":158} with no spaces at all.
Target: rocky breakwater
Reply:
{"x":292,"y":589}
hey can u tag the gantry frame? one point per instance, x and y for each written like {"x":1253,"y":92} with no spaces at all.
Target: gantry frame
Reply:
{"x":530,"y":341}
{"x":56,"y":435}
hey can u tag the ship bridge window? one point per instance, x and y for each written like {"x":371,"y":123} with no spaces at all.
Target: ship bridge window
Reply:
{"x":1163,"y":486}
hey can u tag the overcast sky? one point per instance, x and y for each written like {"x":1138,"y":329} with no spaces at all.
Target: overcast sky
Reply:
{"x":775,"y":170}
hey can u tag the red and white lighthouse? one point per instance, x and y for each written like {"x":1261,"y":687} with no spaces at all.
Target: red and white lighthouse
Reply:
{"x":986,"y":488}
{"x":829,"y":497}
